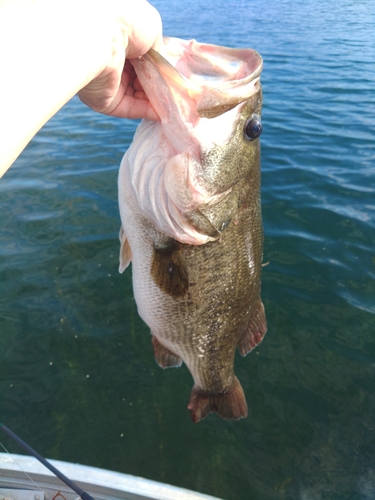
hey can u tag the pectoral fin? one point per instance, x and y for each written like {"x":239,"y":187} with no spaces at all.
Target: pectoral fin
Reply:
{"x":125,"y":251}
{"x":169,"y":271}
{"x":254,"y":331}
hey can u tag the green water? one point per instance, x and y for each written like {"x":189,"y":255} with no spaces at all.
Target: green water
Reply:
{"x":78,"y":380}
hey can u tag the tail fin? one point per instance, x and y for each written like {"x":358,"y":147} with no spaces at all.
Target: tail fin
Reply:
{"x":230,"y":404}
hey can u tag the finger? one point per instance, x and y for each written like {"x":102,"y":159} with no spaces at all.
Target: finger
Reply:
{"x":144,"y":28}
{"x":128,"y":74}
{"x":135,"y":108}
{"x":130,"y":77}
{"x":137,"y":84}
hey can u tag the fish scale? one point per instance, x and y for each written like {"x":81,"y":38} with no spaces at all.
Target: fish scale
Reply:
{"x":195,"y":236}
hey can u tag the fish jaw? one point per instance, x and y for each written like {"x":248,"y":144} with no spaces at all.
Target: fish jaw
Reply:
{"x":217,"y":78}
{"x":177,"y":111}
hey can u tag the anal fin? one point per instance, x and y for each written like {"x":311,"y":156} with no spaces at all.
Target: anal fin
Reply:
{"x":254,"y":331}
{"x":164,"y":357}
{"x":230,"y":404}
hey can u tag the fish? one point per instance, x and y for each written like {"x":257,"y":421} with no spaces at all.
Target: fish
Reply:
{"x":189,"y":201}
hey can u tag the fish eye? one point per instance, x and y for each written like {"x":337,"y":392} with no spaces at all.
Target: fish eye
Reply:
{"x":253,"y":127}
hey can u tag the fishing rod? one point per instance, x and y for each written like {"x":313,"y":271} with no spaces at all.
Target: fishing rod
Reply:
{"x":60,"y":475}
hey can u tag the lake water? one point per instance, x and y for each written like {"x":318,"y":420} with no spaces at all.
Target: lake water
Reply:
{"x":78,"y":379}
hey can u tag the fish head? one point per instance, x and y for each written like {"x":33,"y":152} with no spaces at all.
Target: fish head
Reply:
{"x":191,"y":80}
{"x":209,"y":101}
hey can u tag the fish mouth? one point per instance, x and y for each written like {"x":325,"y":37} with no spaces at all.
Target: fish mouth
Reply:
{"x":197,"y":91}
{"x":216,"y":78}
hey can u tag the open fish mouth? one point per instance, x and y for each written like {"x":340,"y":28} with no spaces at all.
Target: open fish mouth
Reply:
{"x":197,"y":90}
{"x":216,"y":78}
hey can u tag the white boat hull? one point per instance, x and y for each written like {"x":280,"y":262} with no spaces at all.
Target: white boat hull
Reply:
{"x":18,"y":472}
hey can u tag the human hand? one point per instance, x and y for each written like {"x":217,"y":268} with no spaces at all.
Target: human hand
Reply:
{"x":67,"y":47}
{"x":116,"y":90}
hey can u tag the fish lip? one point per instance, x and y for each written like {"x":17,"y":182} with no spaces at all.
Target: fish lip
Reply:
{"x":167,"y":68}
{"x":259,"y":69}
{"x":163,"y":63}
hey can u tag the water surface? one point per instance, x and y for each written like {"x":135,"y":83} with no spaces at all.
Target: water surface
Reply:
{"x":77,"y":376}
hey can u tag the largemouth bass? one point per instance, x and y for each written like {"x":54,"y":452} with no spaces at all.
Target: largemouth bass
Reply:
{"x":189,"y":196}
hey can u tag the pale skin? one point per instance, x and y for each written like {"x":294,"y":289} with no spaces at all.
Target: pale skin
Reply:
{"x":51,"y":50}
